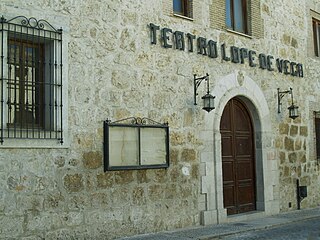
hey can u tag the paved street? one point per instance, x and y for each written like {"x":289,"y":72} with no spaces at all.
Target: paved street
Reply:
{"x":296,"y":225}
{"x":307,"y":229}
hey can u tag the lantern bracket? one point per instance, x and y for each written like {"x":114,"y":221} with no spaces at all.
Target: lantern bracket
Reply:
{"x":293,"y":109}
{"x":197,"y":82}
{"x":208,"y":99}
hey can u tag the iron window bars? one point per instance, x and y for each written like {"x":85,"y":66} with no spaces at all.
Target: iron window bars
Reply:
{"x":30,"y":79}
{"x":135,"y":143}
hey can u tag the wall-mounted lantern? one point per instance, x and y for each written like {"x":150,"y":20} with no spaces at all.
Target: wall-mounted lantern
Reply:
{"x":208,"y":99}
{"x":293,"y":109}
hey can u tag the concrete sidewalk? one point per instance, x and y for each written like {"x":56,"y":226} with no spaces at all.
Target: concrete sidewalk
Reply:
{"x":215,"y":231}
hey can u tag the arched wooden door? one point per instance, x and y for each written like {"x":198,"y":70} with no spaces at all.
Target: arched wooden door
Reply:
{"x":238,"y":161}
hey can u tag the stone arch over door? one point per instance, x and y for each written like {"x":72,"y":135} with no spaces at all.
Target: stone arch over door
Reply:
{"x":267,"y":181}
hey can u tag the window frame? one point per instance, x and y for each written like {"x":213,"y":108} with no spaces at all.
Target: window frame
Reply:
{"x":244,"y":16}
{"x":316,"y":36}
{"x":186,"y":6}
{"x":22,"y":89}
{"x":40,"y":32}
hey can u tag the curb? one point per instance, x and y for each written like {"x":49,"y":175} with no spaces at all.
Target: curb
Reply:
{"x":258,"y":228}
{"x":219,"y":231}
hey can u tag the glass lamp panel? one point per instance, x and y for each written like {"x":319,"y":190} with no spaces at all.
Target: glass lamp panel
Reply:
{"x":212,"y":102}
{"x":293,"y":111}
{"x":208,"y":102}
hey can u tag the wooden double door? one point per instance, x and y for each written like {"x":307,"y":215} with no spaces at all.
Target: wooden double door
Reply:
{"x":238,"y":158}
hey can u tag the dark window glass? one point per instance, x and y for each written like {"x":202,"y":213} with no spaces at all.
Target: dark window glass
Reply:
{"x":183,"y":7}
{"x":178,"y":6}
{"x":228,"y":14}
{"x":316,"y":35}
{"x":236,"y":15}
{"x":25,"y":84}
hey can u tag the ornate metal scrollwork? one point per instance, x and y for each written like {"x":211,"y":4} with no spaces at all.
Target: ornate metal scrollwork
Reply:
{"x":31,"y":22}
{"x":135,"y":121}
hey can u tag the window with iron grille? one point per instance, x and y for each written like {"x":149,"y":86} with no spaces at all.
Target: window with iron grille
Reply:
{"x":316,"y":36}
{"x":183,"y":8}
{"x":30,"y":79}
{"x":237,"y":15}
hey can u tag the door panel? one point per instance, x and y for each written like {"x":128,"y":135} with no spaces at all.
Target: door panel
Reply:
{"x":228,"y":195}
{"x":245,"y":196}
{"x":244,"y":171}
{"x":243,"y":146}
{"x":227,"y":142}
{"x":241,"y":124}
{"x":228,"y":172}
{"x":238,"y":163}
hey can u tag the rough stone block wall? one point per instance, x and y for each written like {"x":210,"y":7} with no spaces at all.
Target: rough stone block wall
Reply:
{"x":294,"y":163}
{"x":115,"y":72}
{"x":296,"y":159}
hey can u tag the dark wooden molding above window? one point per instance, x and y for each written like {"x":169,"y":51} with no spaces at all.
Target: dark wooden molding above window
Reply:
{"x":183,"y":8}
{"x":237,"y":15}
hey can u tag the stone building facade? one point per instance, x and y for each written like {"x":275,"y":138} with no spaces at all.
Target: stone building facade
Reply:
{"x":114,"y":65}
